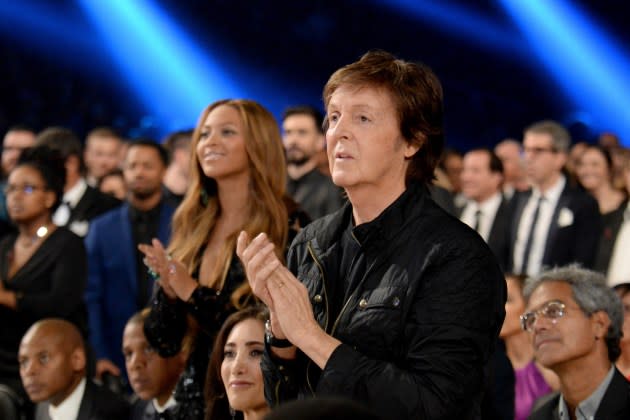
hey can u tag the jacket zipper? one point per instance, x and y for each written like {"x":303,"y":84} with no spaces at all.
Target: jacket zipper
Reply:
{"x":321,"y":270}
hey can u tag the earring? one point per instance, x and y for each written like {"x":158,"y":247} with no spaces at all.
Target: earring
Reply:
{"x":232,"y":413}
{"x":203,"y":197}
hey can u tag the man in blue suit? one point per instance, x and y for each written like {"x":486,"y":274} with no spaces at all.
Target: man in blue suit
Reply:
{"x":118,"y":282}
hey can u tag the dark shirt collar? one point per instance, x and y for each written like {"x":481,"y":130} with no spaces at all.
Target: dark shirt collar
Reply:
{"x":137,"y":215}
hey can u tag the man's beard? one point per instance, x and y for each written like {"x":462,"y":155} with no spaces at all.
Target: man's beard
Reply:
{"x":297,"y":159}
{"x":143,"y":194}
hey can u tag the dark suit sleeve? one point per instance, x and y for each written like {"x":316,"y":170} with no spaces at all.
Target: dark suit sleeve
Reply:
{"x":588,"y":225}
{"x":67,"y":284}
{"x":94,"y":294}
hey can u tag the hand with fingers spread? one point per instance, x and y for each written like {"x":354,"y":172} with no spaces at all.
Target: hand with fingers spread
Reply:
{"x":173,"y":276}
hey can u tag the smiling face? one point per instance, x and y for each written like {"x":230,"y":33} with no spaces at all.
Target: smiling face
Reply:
{"x":568,"y":338}
{"x":221,"y":147}
{"x":364,"y":144}
{"x":593,"y":170}
{"x":240,"y":369}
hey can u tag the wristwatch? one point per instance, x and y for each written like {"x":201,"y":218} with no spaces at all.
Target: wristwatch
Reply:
{"x":273,"y":341}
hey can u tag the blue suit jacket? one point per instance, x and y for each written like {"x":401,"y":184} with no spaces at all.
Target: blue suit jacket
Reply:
{"x":112,"y":284}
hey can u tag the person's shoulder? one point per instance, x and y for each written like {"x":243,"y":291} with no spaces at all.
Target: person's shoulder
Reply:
{"x":103,"y":200}
{"x":109,"y":216}
{"x":544,"y":406}
{"x":320,"y":227}
{"x":106,"y":403}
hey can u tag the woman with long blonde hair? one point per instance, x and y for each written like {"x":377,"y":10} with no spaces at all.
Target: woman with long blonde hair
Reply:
{"x":238,"y":182}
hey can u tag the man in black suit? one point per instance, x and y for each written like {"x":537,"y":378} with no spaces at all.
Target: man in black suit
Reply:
{"x":53,"y":370}
{"x":486,"y":211}
{"x":81,"y":203}
{"x":554,"y":223}
{"x":575,"y":321}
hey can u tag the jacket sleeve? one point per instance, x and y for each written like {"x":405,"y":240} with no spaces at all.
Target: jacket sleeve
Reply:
{"x":589,"y":228}
{"x":167,"y":323}
{"x":94,"y":293}
{"x":448,"y":336}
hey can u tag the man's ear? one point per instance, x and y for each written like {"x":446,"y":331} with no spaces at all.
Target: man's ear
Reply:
{"x":78,"y":359}
{"x":321,"y":142}
{"x":600,"y":322}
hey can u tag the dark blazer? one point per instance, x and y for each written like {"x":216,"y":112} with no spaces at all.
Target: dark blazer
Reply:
{"x":576,"y":242}
{"x":499,"y":237}
{"x":98,"y":403}
{"x":614,"y":406}
{"x":92,"y":204}
{"x":112,"y":293}
{"x":612,"y":224}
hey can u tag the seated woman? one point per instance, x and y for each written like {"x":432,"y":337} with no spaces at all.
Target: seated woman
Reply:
{"x":532,"y":381}
{"x":238,"y":182}
{"x":235,"y":361}
{"x":43,"y":268}
{"x":623,"y":363}
{"x":595,"y":172}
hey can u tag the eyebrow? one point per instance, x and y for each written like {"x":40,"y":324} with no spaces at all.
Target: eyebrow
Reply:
{"x":249,"y":344}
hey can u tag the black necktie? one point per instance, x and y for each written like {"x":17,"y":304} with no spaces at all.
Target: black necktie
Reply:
{"x":530,"y":237}
{"x":477,"y":220}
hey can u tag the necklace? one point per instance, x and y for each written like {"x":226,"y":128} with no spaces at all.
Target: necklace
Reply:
{"x":40,"y":233}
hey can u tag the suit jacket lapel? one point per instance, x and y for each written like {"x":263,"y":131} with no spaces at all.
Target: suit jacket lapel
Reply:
{"x":616,"y":401}
{"x":77,"y":212}
{"x":563,"y":201}
{"x":130,"y":255}
{"x":87,"y":402}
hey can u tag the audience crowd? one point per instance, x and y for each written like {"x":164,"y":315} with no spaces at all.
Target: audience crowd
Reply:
{"x":126,"y":290}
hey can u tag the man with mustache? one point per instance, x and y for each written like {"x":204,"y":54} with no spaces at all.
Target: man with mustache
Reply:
{"x":575,"y":322}
{"x":303,"y":140}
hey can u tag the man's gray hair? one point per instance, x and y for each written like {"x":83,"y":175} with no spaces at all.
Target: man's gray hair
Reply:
{"x":560,"y":137}
{"x":591,"y":294}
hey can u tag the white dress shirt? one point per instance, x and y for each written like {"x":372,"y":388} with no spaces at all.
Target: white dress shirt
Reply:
{"x":71,"y":198}
{"x":619,"y":267}
{"x":541,"y":232}
{"x":162,"y":408}
{"x":488,"y":211}
{"x":69,"y":408}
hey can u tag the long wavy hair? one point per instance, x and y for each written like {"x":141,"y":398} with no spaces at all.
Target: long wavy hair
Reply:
{"x":217,"y":404}
{"x":200,"y":209}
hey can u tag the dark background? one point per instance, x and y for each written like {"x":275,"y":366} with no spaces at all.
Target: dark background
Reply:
{"x":55,"y":71}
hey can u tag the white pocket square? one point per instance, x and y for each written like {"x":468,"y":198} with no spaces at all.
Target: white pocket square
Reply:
{"x":565,"y":218}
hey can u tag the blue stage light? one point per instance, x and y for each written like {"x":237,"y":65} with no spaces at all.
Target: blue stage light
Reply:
{"x":160,"y":63}
{"x":587,"y":63}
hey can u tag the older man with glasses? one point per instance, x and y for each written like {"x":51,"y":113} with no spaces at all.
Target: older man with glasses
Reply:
{"x":575,"y":321}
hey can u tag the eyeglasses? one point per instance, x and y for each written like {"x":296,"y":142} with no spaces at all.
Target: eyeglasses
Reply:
{"x":538,"y":150}
{"x":552,"y":310}
{"x":27,"y":189}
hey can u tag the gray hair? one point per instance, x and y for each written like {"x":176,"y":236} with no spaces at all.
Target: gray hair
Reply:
{"x":591,"y":294}
{"x":560,"y":137}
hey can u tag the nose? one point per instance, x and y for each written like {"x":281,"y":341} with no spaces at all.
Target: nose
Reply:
{"x":28,"y":369}
{"x":338,"y":129}
{"x":239,"y":366}
{"x":136,"y":361}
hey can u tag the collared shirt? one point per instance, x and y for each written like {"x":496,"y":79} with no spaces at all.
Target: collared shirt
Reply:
{"x":619,"y":267}
{"x":70,"y":200}
{"x":162,"y":408}
{"x":586,"y":409}
{"x":541,"y":232}
{"x":69,"y":408}
{"x":488,"y":211}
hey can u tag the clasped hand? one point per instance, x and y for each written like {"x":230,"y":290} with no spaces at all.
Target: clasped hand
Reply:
{"x":287,"y":298}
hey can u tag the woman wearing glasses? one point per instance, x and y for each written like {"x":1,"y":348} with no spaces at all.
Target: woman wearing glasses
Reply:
{"x":43,"y":268}
{"x":531,"y":381}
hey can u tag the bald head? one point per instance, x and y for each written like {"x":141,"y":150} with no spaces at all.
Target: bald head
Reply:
{"x":52,"y":360}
